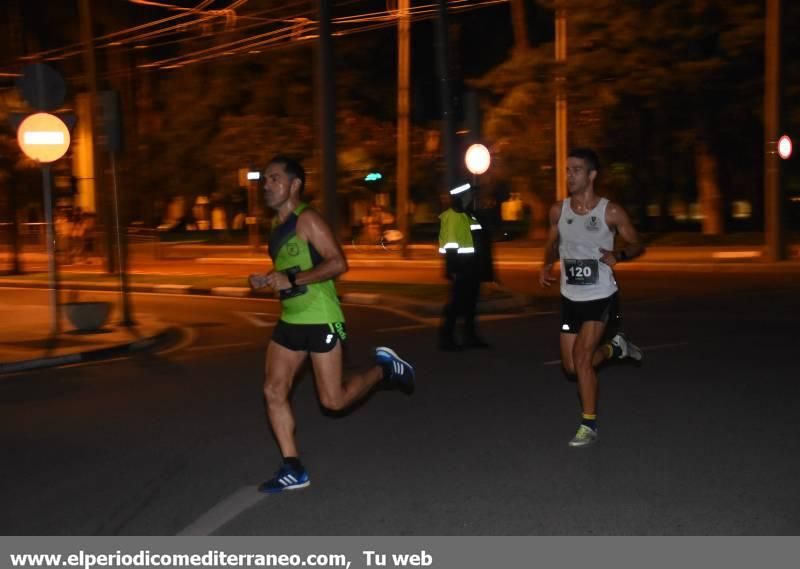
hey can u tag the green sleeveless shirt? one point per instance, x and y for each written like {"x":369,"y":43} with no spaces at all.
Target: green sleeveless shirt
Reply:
{"x":315,"y":303}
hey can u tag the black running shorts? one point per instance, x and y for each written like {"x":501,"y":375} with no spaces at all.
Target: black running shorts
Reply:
{"x":606,"y":310}
{"x":319,"y":338}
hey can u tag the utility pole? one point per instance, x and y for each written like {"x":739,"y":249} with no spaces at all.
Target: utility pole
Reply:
{"x":16,"y":49}
{"x":403,"y":98}
{"x":327,"y":114}
{"x":519,"y":24}
{"x":561,"y":104}
{"x":773,"y":196}
{"x":448,"y":132}
{"x":90,"y":69}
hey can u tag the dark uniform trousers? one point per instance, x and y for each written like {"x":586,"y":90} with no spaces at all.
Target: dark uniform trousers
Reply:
{"x":463,"y":301}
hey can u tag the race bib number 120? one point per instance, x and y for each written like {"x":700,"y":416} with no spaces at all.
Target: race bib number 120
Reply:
{"x":581,"y":271}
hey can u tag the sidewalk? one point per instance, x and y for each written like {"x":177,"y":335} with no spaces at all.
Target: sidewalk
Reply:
{"x":26,"y":343}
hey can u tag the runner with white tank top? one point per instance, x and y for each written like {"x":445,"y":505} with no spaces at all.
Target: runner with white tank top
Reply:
{"x":581,"y":237}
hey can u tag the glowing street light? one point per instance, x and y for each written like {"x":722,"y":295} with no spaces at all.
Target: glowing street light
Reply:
{"x":785,"y":147}
{"x":477,"y":159}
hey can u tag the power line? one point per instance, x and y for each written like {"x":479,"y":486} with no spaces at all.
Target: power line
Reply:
{"x":299,"y":28}
{"x":373,"y":21}
{"x":117,"y":38}
{"x":45,"y":55}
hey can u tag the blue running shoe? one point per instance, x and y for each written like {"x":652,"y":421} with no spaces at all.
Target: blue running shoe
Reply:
{"x":286,"y":478}
{"x":395,"y":368}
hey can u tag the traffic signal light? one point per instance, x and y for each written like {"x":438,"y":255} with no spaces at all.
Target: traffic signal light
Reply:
{"x":373,"y":177}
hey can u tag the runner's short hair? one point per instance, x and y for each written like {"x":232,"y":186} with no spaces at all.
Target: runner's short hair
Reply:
{"x":587,"y":155}
{"x":292,"y":167}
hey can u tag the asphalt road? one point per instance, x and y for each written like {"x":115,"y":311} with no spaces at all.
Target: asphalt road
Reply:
{"x":702,"y":439}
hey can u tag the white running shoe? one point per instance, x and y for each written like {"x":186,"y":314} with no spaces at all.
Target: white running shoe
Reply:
{"x":628,"y":348}
{"x":584,"y":437}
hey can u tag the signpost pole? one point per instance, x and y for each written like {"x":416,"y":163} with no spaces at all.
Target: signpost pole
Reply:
{"x":127,"y":319}
{"x":51,"y":252}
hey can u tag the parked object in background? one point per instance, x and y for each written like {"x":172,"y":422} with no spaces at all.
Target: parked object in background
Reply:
{"x":88,"y":316}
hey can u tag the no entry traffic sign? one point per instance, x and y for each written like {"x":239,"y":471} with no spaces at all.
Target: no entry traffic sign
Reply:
{"x":43,"y":137}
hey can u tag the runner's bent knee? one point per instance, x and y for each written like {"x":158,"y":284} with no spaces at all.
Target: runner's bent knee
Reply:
{"x":332,"y":402}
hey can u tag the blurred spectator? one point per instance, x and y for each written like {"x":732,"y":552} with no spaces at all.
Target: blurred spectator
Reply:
{"x":77,"y":233}
{"x":63,"y":230}
{"x":218,"y":218}
{"x":89,"y":235}
{"x":239,"y":221}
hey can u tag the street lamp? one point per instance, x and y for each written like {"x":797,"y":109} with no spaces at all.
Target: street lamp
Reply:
{"x":477,"y":159}
{"x":785,"y":147}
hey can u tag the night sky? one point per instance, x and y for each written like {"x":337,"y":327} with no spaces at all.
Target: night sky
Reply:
{"x":481,"y":38}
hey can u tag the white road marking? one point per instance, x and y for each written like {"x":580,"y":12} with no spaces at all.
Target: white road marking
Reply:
{"x":735,"y":254}
{"x":260,"y":319}
{"x":18,"y":306}
{"x":643,"y":348}
{"x":173,"y":288}
{"x":189,"y":336}
{"x":238,"y":291}
{"x":224,"y":511}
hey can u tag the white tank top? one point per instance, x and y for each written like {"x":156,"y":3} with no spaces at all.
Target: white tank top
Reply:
{"x":583,"y":275}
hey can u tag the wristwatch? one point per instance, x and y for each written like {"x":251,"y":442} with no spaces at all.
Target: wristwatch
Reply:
{"x":292,"y":276}
{"x":621,"y":256}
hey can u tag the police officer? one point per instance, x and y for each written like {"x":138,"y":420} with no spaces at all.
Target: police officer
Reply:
{"x":467,"y":263}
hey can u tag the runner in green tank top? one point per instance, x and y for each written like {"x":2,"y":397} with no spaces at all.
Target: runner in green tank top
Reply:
{"x":318,"y":303}
{"x":306,"y":258}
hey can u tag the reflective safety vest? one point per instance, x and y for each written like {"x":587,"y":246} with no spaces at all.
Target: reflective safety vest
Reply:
{"x":455,"y":232}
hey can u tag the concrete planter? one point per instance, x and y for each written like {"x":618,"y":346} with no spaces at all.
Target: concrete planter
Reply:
{"x":87,"y":316}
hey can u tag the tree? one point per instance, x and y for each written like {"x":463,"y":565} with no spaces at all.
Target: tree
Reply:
{"x":649,"y":82}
